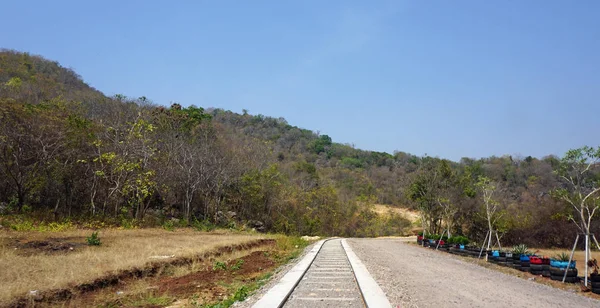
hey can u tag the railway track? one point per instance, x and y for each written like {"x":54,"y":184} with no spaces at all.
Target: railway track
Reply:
{"x":329,"y":276}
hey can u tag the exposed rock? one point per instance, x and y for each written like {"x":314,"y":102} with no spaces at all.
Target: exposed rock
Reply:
{"x":256,"y":225}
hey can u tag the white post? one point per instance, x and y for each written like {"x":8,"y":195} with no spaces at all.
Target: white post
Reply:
{"x":481,"y":251}
{"x":497,"y":238}
{"x":571,"y":258}
{"x":438,"y":243}
{"x":587,"y":251}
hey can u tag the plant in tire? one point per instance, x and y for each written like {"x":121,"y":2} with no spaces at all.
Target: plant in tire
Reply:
{"x":594,"y":276}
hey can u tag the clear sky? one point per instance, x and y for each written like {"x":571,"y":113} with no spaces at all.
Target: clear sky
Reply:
{"x":448,"y":78}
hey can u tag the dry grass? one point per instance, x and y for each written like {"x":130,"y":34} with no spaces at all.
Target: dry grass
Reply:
{"x":120,"y":250}
{"x":409,"y":214}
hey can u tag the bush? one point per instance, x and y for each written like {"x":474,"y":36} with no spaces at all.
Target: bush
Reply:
{"x":169,"y":225}
{"x":520,"y":249}
{"x":93,"y":240}
{"x":203,"y":225}
{"x":220,"y":266}
{"x":237,"y":265}
{"x":437,"y":237}
{"x":563,"y":256}
{"x":458,"y":239}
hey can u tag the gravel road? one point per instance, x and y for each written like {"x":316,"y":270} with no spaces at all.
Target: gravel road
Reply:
{"x":412,"y":276}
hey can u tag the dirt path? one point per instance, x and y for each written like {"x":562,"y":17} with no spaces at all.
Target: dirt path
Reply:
{"x":415,"y":277}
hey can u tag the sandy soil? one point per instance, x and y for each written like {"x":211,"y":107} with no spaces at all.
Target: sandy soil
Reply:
{"x":415,"y":277}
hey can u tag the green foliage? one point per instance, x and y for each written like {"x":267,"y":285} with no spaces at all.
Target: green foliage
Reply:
{"x":520,"y":249}
{"x":220,"y":266}
{"x":14,"y":83}
{"x":351,"y":162}
{"x":67,"y":150}
{"x":563,"y":256}
{"x":238,"y":264}
{"x":320,"y":144}
{"x":169,"y":225}
{"x":289,"y":243}
{"x":203,"y":225}
{"x":458,"y":239}
{"x":240,"y":294}
{"x":24,"y":223}
{"x":94,"y":239}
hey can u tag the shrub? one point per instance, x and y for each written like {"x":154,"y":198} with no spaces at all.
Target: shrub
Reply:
{"x":237,"y":265}
{"x":458,"y":239}
{"x":93,"y":240}
{"x":520,"y":249}
{"x":563,"y":256}
{"x":220,"y":266}
{"x":169,"y":225}
{"x":203,"y":225}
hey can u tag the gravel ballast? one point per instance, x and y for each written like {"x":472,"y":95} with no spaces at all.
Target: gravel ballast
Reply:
{"x":412,"y":276}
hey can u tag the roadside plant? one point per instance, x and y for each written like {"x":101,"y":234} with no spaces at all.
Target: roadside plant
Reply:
{"x":520,"y":249}
{"x":237,"y":265}
{"x":563,"y":256}
{"x":458,"y":239}
{"x":94,"y":239}
{"x":593,"y":265}
{"x":169,"y":225}
{"x":220,"y":266}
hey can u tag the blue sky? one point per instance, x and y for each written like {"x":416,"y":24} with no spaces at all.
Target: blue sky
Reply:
{"x":448,"y":78}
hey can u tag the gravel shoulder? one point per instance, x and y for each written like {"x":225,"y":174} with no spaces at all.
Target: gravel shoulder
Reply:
{"x":415,"y":277}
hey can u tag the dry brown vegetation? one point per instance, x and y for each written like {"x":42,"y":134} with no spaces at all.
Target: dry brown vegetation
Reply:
{"x":383,"y":209}
{"x":47,"y":261}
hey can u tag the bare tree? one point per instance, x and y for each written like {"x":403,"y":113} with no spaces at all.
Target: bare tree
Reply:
{"x":581,"y":189}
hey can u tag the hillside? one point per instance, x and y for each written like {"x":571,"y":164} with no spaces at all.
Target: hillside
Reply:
{"x":69,"y":151}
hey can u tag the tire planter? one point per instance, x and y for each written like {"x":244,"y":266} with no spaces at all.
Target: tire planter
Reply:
{"x":572,"y":272}
{"x":562,"y":264}
{"x":595,"y":278}
{"x":568,"y":279}
{"x":502,"y":260}
{"x":545,"y":270}
{"x":516,"y":261}
{"x":536,"y":267}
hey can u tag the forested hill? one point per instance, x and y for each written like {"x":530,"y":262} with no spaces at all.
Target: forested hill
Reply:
{"x":67,"y":150}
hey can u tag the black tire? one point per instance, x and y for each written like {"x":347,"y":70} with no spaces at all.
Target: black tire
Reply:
{"x":536,"y":267}
{"x":524,"y":268}
{"x":568,"y":279}
{"x":554,"y":271}
{"x":546,"y":273}
{"x":595,"y":284}
{"x":545,"y":267}
{"x":597,"y":290}
{"x":595,"y":278}
{"x":525,"y":264}
{"x":535,"y":272}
